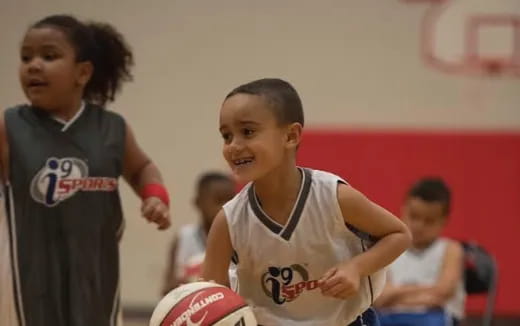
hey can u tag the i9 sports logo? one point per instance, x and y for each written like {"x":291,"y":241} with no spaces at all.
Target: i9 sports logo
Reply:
{"x":285,"y":284}
{"x":61,"y":178}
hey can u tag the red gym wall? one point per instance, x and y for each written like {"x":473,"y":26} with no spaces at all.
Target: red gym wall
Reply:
{"x":482,"y":169}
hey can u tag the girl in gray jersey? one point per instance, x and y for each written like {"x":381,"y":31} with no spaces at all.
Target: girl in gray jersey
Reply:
{"x":62,"y":156}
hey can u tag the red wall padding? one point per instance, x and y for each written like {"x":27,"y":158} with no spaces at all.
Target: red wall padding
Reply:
{"x":482,"y":169}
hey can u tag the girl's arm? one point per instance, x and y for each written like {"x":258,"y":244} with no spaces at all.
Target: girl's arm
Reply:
{"x":144,"y":177}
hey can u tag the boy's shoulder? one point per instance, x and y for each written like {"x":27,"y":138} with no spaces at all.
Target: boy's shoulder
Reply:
{"x":453,"y":245}
{"x":450,"y":244}
{"x":235,"y":209}
{"x":322,"y":176}
{"x":439,"y":247}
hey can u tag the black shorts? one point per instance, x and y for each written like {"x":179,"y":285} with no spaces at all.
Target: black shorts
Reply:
{"x":367,"y":318}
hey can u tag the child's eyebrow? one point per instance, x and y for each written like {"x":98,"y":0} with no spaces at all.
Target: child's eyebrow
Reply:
{"x":26,"y":48}
{"x":50,"y":46}
{"x":248,"y":122}
{"x":240,"y":122}
{"x":44,"y":47}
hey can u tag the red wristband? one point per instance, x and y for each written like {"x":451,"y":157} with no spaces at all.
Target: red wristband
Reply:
{"x":156,"y":190}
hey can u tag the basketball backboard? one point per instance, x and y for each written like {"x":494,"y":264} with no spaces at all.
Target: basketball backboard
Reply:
{"x":472,"y":36}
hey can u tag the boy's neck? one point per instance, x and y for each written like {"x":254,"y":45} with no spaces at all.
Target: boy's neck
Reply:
{"x":278,"y":191}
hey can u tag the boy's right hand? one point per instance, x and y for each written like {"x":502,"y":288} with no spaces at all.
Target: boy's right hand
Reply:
{"x":341,"y":281}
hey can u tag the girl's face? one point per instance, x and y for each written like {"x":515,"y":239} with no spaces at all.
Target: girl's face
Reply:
{"x":50,"y":76}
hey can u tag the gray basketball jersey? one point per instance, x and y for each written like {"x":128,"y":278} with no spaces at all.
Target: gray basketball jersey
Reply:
{"x":64,"y":216}
{"x":279,"y":265}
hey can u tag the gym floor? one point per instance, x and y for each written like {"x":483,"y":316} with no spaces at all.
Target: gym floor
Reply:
{"x":135,"y":322}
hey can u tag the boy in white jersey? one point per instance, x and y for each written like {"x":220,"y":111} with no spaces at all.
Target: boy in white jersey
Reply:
{"x":425,"y":284}
{"x":305,"y":239}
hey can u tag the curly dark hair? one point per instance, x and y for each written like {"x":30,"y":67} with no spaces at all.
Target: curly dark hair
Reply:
{"x":103,"y":46}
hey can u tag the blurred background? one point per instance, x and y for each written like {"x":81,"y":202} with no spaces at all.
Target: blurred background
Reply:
{"x":392,"y":90}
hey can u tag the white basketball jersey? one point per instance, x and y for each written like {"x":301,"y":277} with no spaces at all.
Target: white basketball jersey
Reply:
{"x":279,"y":266}
{"x":191,"y":246}
{"x":191,"y":249}
{"x":423,"y":267}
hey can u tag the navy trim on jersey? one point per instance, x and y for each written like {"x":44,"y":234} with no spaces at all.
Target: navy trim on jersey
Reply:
{"x":276,"y":228}
{"x":234,"y":257}
{"x":361,"y":235}
{"x":253,"y":201}
{"x":300,"y":204}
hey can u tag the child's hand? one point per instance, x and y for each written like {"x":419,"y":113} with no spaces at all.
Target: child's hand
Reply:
{"x":341,"y":281}
{"x":155,"y":211}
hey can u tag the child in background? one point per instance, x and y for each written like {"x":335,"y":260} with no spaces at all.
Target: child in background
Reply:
{"x":187,"y":251}
{"x":425,"y":285}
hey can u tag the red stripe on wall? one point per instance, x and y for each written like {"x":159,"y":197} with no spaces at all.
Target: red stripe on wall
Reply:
{"x":482,"y":169}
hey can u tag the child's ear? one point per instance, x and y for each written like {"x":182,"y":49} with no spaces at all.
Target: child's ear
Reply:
{"x":294,"y":135}
{"x":85,"y":70}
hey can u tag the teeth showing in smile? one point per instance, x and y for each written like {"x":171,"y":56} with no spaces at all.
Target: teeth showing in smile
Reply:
{"x":242,"y":161}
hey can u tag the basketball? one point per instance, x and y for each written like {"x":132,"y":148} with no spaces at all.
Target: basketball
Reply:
{"x":202,"y":304}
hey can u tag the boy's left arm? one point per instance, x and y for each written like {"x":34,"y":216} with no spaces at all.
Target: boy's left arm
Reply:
{"x":393,"y":237}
